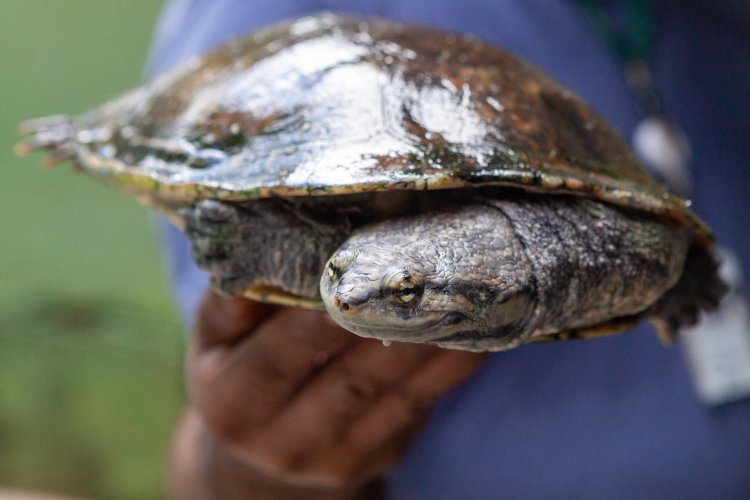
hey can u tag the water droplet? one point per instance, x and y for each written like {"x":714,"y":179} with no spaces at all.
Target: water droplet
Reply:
{"x":127,"y":132}
{"x":409,"y":54}
{"x":448,"y":84}
{"x":495,"y":104}
{"x":386,"y":343}
{"x":107,"y":151}
{"x":84,"y":136}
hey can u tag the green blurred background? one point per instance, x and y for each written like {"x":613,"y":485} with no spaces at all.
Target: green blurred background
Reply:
{"x":90,"y":346}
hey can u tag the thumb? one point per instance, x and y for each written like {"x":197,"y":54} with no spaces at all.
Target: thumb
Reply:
{"x":224,"y":319}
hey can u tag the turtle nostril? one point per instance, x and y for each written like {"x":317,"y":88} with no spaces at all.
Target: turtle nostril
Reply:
{"x":344,"y":303}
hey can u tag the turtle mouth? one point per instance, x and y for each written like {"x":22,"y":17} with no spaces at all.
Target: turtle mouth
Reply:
{"x":369,"y":315}
{"x":403,"y":331}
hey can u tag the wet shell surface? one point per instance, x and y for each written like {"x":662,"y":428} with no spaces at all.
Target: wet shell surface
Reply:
{"x":332,"y":105}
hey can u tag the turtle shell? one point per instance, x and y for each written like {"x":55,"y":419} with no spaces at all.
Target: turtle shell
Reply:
{"x":330,"y":105}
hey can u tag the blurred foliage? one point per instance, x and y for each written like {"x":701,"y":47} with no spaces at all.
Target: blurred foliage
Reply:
{"x":90,"y":346}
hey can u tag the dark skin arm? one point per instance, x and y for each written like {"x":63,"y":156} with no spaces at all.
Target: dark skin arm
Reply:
{"x":286,"y":404}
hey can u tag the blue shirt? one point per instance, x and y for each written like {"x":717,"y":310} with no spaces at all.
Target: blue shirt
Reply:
{"x":599,"y":419}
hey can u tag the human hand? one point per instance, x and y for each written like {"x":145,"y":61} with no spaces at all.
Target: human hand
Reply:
{"x":289,"y":405}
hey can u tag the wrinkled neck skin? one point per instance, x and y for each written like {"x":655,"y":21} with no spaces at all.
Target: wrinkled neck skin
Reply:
{"x":474,"y":284}
{"x":492,"y":274}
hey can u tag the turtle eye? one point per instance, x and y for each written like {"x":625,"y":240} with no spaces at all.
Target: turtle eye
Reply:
{"x":340,"y":263}
{"x":404,"y":288}
{"x":334,"y":272}
{"x":406,"y":295}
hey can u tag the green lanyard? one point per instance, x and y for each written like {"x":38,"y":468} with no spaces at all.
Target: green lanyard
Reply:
{"x":657,"y":139}
{"x":631,"y":42}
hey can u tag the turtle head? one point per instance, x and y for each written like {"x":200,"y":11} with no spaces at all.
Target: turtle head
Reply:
{"x":396,"y":289}
{"x":373,"y":295}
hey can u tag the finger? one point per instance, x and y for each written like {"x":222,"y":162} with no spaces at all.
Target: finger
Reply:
{"x":223,"y":319}
{"x":378,"y":438}
{"x":321,"y":415}
{"x":241,"y":388}
{"x":378,"y":461}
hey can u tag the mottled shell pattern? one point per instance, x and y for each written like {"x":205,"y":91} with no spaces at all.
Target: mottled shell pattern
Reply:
{"x":331,"y":105}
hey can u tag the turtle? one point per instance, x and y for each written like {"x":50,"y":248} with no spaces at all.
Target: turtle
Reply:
{"x":420,"y":185}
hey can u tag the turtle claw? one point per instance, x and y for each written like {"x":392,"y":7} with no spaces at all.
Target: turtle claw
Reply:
{"x":215,"y":212}
{"x":214,"y":229}
{"x":699,"y":289}
{"x":230,"y":284}
{"x":55,"y":134}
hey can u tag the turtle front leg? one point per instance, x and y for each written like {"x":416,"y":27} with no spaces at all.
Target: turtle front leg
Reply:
{"x":216,"y":231}
{"x":267,"y":247}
